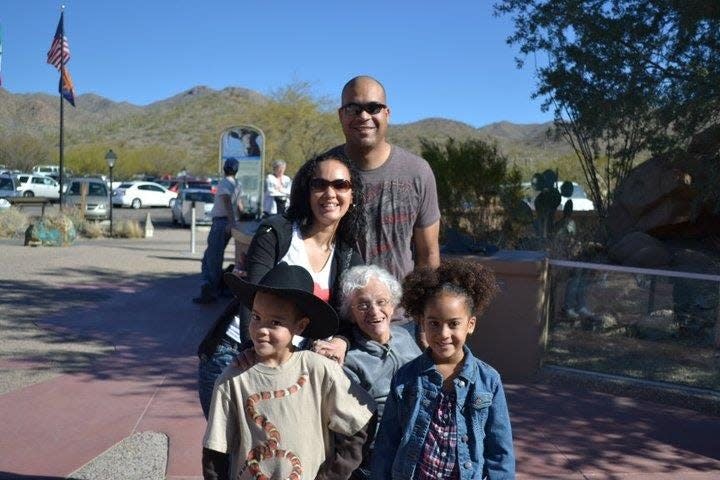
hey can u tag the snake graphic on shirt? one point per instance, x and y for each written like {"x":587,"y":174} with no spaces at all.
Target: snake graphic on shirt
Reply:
{"x":271,"y":447}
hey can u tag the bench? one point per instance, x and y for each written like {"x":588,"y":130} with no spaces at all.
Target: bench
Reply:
{"x":21,"y":202}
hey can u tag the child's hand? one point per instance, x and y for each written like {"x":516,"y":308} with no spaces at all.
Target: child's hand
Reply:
{"x":245,"y":359}
{"x":334,"y":349}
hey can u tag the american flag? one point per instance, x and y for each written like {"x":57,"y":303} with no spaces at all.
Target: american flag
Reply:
{"x":59,"y":52}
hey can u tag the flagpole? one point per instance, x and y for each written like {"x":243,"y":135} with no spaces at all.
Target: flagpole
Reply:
{"x":62,"y":116}
{"x":62,"y":170}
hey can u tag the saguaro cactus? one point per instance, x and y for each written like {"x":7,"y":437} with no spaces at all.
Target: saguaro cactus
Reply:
{"x":547,"y":201}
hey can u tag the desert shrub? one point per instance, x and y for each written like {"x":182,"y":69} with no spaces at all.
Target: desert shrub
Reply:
{"x":84,"y":227}
{"x":59,"y":221}
{"x":93,"y":230}
{"x":476,"y":187}
{"x":13,"y":223}
{"x":128,"y":229}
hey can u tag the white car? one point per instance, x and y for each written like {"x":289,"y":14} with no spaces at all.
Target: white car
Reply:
{"x":580,"y":200}
{"x":182,"y":208}
{"x":29,"y":185}
{"x":142,"y":194}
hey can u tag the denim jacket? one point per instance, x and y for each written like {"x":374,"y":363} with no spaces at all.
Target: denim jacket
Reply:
{"x":484,"y":443}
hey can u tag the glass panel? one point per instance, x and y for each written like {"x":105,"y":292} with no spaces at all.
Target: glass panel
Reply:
{"x":246,"y":144}
{"x":636,"y":323}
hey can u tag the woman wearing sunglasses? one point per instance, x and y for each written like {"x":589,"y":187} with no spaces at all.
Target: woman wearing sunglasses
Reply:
{"x":318,"y":232}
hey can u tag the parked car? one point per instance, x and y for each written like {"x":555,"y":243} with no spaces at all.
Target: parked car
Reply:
{"x":581,"y":202}
{"x":200,"y":185}
{"x":97,"y":200}
{"x":46,"y":170}
{"x":182,"y":208}
{"x":30,"y":185}
{"x":8,"y":188}
{"x":143,"y":194}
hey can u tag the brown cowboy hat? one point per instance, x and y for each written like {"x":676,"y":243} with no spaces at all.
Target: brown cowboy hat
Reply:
{"x":296,"y":284}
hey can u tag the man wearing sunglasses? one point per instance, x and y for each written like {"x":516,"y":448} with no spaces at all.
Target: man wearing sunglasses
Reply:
{"x":401,"y":204}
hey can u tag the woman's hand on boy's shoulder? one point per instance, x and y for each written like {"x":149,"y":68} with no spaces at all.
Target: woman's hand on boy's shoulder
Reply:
{"x":334,"y":349}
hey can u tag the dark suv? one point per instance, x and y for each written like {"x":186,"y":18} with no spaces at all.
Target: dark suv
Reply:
{"x":8,"y":186}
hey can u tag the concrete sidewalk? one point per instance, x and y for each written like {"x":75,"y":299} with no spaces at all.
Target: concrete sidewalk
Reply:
{"x":117,"y":397}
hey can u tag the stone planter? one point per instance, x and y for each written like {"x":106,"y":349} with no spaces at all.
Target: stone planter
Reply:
{"x":512,"y":334}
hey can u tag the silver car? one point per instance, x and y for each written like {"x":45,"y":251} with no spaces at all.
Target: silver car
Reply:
{"x":182,"y":208}
{"x":97,"y":200}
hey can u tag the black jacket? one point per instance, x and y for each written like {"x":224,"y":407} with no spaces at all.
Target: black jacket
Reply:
{"x":268,"y":246}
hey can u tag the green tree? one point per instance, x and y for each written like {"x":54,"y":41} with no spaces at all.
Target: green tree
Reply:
{"x":476,"y":187}
{"x":23,"y":151}
{"x":297,"y":124}
{"x":621,"y":76}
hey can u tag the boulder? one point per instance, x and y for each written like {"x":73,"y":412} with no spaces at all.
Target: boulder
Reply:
{"x":56,"y":233}
{"x":639,"y":249}
{"x":657,"y":196}
{"x":663,"y":196}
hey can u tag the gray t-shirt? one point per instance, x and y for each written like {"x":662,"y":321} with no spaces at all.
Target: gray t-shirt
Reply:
{"x":400,"y":195}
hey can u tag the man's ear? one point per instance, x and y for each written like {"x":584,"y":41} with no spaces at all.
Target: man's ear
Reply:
{"x":301,"y":325}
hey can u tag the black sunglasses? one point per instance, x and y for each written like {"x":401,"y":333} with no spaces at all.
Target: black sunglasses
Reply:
{"x":373,"y":108}
{"x":339,"y":185}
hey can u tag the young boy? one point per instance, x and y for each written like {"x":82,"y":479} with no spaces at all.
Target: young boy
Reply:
{"x":294,"y":414}
{"x":446,"y":414}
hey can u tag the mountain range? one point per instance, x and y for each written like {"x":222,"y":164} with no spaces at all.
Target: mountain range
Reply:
{"x":193,"y":119}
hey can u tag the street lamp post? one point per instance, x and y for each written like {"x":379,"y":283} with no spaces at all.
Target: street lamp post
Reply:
{"x":110,"y":158}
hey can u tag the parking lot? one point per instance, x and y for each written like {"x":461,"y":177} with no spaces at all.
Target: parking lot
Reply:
{"x":161,"y":216}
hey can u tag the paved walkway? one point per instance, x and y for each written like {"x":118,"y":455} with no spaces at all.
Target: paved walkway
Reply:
{"x":54,"y":425}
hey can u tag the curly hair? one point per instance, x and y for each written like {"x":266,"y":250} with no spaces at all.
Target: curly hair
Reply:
{"x":352,"y":224}
{"x":456,"y":276}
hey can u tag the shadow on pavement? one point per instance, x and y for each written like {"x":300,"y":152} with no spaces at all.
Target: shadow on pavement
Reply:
{"x":148,"y":319}
{"x":593,"y":432}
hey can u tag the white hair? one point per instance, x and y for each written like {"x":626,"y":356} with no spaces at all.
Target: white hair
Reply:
{"x":279,"y":163}
{"x":358,"y":277}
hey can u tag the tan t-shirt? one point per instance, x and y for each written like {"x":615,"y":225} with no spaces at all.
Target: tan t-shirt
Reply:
{"x":279,"y":420}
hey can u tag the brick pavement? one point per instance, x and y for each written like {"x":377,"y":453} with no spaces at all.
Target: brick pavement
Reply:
{"x":135,"y":297}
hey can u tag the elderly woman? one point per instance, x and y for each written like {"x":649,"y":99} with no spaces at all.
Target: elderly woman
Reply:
{"x":277,"y":189}
{"x":377,"y":348}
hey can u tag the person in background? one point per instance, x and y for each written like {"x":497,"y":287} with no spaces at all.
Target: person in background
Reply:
{"x":378,"y":348}
{"x":224,"y":214}
{"x":277,"y":189}
{"x":446,"y":415}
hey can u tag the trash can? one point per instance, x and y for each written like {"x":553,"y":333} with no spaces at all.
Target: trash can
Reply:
{"x":512,"y":334}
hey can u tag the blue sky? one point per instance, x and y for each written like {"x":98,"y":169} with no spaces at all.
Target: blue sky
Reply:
{"x":436,"y":60}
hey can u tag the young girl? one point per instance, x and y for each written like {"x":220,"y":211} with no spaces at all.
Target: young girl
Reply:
{"x":446,"y":415}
